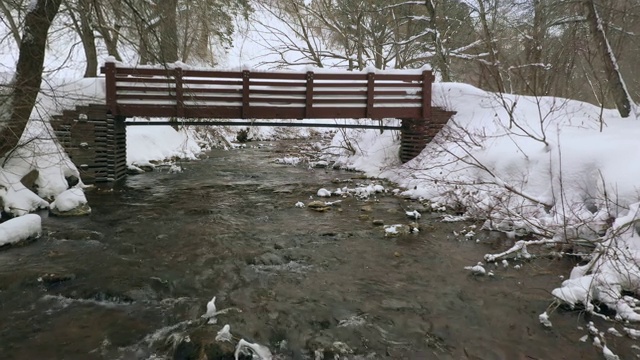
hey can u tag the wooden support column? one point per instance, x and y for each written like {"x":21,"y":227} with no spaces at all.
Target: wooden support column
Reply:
{"x":427,"y":81}
{"x":245,"y":93}
{"x":371,"y":78}
{"x":110,"y":87}
{"x":414,"y":132}
{"x":308,"y":109}
{"x":412,"y":138}
{"x":177,"y":74}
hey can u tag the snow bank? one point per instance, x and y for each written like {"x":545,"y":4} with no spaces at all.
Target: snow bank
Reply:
{"x":552,"y":162}
{"x":21,"y":228}
{"x":157,"y":143}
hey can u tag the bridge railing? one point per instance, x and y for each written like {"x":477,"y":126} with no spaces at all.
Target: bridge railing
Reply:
{"x":187,"y":93}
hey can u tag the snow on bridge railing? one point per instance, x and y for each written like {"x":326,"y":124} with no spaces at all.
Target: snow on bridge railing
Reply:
{"x":202,"y":93}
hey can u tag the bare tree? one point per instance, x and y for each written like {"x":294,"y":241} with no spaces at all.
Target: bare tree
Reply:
{"x":617,"y":86}
{"x":26,"y":84}
{"x":81,"y":13}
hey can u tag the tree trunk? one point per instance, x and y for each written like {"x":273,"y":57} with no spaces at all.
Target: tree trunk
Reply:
{"x":82,"y":23}
{"x":168,"y":31}
{"x":441,"y":61}
{"x":534,"y":51}
{"x":109,"y":36}
{"x":493,"y":69}
{"x":28,"y":77}
{"x":617,"y":87}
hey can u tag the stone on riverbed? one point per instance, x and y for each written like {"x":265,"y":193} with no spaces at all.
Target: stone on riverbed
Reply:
{"x":70,"y":203}
{"x":269,"y":259}
{"x":399,"y":229}
{"x":320,"y":206}
{"x":81,"y":210}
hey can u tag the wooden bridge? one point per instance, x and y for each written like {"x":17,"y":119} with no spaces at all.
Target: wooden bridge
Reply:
{"x":94,"y":136}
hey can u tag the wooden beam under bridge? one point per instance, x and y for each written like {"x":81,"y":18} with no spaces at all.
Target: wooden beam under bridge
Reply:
{"x":261,"y":123}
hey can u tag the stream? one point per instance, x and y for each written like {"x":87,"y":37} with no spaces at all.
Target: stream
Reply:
{"x":132,"y":280}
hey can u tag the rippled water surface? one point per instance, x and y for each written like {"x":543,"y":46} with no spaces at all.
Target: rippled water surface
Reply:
{"x":131,"y":280}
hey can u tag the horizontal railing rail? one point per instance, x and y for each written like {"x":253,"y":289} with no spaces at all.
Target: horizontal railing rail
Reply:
{"x":186,"y":93}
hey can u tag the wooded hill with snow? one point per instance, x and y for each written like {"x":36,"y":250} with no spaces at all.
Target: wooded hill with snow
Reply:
{"x":555,"y":174}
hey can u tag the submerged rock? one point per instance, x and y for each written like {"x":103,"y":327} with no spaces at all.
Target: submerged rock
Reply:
{"x":269,"y":259}
{"x":319,"y":206}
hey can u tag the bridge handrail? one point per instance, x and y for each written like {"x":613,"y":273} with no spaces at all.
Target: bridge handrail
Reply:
{"x":179,"y":92}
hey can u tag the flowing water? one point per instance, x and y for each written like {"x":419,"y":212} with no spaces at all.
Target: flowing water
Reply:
{"x":131,"y":280}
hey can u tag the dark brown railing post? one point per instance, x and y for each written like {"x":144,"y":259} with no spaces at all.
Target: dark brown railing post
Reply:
{"x":245,"y":93}
{"x":177,"y":74}
{"x":309,"y":102}
{"x":371,"y":77}
{"x":427,"y":79}
{"x":110,"y":88}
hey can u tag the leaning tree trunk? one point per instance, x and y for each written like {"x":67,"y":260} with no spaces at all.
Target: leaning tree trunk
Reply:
{"x":617,"y":87}
{"x":28,"y":77}
{"x":88,"y":39}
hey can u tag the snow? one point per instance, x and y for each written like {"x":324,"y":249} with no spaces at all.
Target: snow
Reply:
{"x":152,"y":143}
{"x":21,"y":228}
{"x":69,"y":200}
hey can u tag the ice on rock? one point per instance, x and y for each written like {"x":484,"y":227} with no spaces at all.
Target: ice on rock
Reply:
{"x":413,"y":214}
{"x":324,"y":193}
{"x":613,"y":331}
{"x":260,"y":352}
{"x":211,"y":312}
{"x":544,"y":319}
{"x":608,"y":354}
{"x":632,"y":333}
{"x":224,"y":334}
{"x":476,"y":269}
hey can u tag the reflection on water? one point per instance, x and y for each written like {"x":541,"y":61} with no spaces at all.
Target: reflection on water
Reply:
{"x":131,"y":280}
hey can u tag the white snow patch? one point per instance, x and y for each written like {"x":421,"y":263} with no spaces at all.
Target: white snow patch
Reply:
{"x":21,"y":228}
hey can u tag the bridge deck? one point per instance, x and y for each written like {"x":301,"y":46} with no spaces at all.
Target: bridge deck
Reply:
{"x":176,"y":92}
